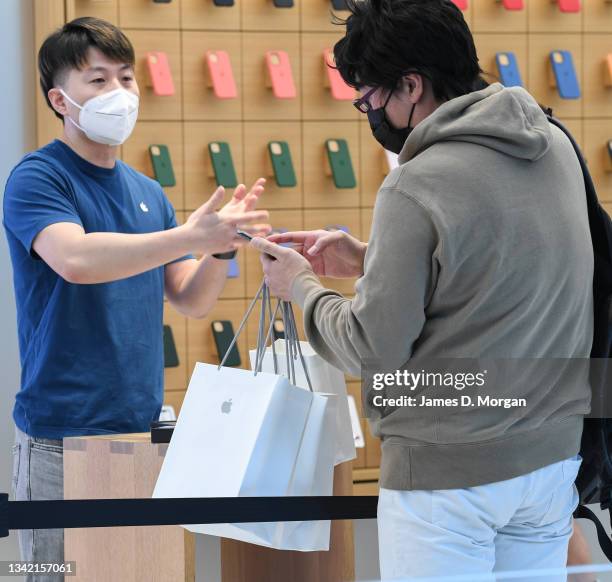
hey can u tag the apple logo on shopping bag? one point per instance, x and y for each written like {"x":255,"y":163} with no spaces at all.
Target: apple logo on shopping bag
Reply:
{"x":226,"y":407}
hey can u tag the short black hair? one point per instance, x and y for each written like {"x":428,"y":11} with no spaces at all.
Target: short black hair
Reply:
{"x":67,"y":48}
{"x":387,"y":39}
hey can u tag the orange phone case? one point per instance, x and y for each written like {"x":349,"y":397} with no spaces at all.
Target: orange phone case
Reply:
{"x":280,"y":75}
{"x":221,"y":75}
{"x":608,"y":70}
{"x":339,"y":89}
{"x":159,"y":73}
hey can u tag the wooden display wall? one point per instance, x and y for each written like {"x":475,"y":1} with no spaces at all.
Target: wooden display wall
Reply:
{"x":191,"y":118}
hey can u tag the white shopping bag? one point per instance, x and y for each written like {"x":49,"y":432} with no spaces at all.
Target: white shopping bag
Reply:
{"x":243,"y":435}
{"x":324,"y":378}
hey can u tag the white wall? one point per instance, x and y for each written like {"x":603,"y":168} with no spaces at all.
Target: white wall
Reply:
{"x":17,"y":114}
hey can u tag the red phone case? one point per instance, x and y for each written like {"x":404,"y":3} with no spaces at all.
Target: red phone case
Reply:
{"x":281,"y":77}
{"x":159,"y":73}
{"x":221,"y":74}
{"x":339,"y":89}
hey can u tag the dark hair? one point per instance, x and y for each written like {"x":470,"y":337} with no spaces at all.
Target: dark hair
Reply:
{"x":387,"y":39}
{"x":67,"y":48}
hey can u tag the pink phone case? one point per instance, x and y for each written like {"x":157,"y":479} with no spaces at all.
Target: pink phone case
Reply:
{"x":339,"y":89}
{"x":281,"y":77}
{"x":461,"y":4}
{"x":569,"y":5}
{"x":159,"y":73}
{"x":514,"y":4}
{"x":221,"y":74}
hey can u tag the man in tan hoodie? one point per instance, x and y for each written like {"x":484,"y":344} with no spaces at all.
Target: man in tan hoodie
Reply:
{"x":479,"y":252}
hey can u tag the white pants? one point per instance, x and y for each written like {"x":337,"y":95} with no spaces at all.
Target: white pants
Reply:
{"x":518,"y":524}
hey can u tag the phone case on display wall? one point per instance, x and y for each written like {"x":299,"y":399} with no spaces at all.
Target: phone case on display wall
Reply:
{"x":340,"y":163}
{"x":339,"y":4}
{"x":339,"y":89}
{"x":461,"y":4}
{"x":223,"y":334}
{"x":569,"y":5}
{"x":565,"y":74}
{"x":162,"y":165}
{"x":221,"y":74}
{"x":160,"y":74}
{"x":282,"y":165}
{"x":233,"y":270}
{"x":280,"y":75}
{"x":283,"y":3}
{"x":222,"y":163}
{"x":508,"y":69}
{"x":223,"y":2}
{"x":513,"y":4}
{"x":171,"y":359}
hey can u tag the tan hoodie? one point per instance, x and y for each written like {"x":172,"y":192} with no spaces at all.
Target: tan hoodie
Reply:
{"x":479,"y":248}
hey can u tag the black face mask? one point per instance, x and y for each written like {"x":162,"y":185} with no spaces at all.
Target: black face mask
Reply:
{"x":386,"y":135}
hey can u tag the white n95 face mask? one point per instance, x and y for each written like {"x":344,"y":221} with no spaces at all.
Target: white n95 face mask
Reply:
{"x":108,"y":118}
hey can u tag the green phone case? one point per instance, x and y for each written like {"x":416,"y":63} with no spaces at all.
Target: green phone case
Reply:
{"x":280,"y":156}
{"x":340,"y":163}
{"x":170,"y":354}
{"x":223,"y":333}
{"x":223,"y":166}
{"x":162,"y":165}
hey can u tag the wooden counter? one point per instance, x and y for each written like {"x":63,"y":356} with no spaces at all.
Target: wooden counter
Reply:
{"x":127,"y":466}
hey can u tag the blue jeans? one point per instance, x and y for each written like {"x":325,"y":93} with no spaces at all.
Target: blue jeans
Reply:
{"x":38,"y":474}
{"x":518,"y":524}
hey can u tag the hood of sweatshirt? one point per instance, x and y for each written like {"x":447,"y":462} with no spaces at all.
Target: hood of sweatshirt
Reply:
{"x":506,"y":119}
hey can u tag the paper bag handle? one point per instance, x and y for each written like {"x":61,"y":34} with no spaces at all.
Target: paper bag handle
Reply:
{"x":293,"y":349}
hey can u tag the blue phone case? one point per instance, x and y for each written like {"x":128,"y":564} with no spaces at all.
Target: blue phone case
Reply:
{"x":508,"y":69}
{"x":565,"y":74}
{"x":233,"y":270}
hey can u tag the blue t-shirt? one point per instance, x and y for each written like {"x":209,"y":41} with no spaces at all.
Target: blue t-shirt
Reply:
{"x":91,"y":355}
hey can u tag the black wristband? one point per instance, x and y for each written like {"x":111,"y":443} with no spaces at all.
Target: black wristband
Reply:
{"x":225,"y":256}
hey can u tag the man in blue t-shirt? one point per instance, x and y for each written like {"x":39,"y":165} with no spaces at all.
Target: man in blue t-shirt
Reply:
{"x":94,"y":246}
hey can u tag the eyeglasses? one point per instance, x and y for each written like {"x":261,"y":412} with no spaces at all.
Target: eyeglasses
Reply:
{"x":363,"y":104}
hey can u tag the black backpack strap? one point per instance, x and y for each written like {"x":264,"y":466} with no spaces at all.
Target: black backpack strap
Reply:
{"x":582,"y":511}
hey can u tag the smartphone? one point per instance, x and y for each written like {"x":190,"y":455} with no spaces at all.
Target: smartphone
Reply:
{"x":223,"y":2}
{"x":159,"y":73}
{"x":221,"y":74}
{"x":222,"y":163}
{"x":281,"y":77}
{"x":340,"y":163}
{"x":248,"y":237}
{"x":282,"y":165}
{"x":569,"y":5}
{"x":223,"y":334}
{"x":565,"y":74}
{"x":171,"y":359}
{"x":162,"y":165}
{"x":513,"y":4}
{"x":339,"y":89}
{"x":508,"y":69}
{"x":283,"y":3}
